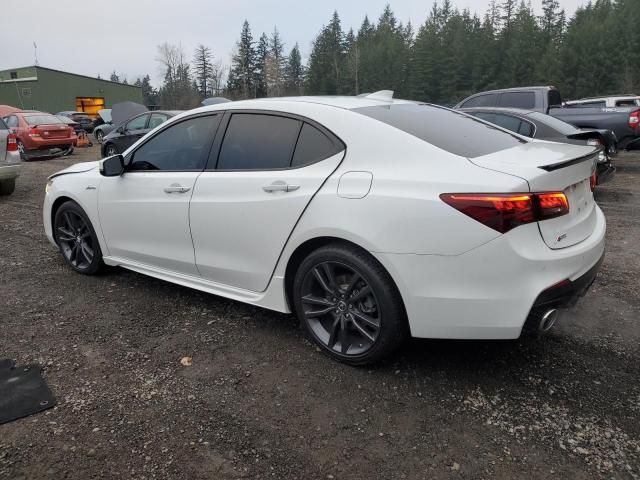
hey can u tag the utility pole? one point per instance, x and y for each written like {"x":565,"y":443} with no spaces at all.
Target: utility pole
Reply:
{"x":35,"y":53}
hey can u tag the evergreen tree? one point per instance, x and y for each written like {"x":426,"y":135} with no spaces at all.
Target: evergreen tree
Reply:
{"x":327,"y":62}
{"x":114,"y":77}
{"x":203,"y":63}
{"x":242,"y":75}
{"x":294,"y":72}
{"x":262,"y":57}
{"x":275,"y":65}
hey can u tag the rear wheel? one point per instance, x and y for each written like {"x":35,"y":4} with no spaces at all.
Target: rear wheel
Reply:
{"x":7,"y":186}
{"x":349,"y":305}
{"x":77,"y":239}
{"x":69,"y":151}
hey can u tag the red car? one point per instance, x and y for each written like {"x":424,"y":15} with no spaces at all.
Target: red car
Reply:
{"x":40,"y":134}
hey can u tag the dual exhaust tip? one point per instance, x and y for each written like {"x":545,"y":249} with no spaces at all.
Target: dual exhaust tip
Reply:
{"x":548,"y":320}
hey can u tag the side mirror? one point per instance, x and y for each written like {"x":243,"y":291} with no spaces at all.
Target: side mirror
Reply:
{"x":112,"y":166}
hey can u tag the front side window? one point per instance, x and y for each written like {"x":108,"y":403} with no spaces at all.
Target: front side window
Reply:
{"x":157,"y":119}
{"x":524,"y":100}
{"x":258,"y":142}
{"x":137,"y":123}
{"x":182,"y":147}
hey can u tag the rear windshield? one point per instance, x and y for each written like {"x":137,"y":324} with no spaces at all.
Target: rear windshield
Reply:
{"x":563,"y":127}
{"x":41,"y":119}
{"x":79,"y":115}
{"x":446,"y":129}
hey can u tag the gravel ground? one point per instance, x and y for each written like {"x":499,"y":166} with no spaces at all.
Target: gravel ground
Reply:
{"x":258,"y":401}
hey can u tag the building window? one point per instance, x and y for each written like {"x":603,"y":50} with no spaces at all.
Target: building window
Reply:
{"x":26,"y":92}
{"x":14,"y":75}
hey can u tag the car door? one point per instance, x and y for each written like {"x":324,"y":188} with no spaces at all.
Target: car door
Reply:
{"x":246,"y":203}
{"x":132,"y":131}
{"x":144,"y":214}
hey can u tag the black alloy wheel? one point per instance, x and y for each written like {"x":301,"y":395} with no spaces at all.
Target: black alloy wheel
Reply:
{"x":77,"y":239}
{"x":349,"y":305}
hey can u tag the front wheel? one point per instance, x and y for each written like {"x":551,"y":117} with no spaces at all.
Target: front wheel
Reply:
{"x":99,"y":136}
{"x":77,"y":239}
{"x":349,"y":305}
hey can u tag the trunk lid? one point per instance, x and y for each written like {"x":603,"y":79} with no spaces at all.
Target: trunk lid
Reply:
{"x":58,"y":130}
{"x":551,"y":167}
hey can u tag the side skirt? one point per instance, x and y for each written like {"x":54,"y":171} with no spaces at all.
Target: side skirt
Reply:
{"x":273,"y":298}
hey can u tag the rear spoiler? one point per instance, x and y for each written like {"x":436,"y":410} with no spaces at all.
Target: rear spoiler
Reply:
{"x":557,"y":166}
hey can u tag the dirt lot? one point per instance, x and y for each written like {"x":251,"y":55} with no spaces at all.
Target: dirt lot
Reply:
{"x":260,"y":402}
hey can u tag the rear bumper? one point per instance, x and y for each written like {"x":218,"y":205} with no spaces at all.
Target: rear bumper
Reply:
{"x":490,"y":291}
{"x":35,"y":143}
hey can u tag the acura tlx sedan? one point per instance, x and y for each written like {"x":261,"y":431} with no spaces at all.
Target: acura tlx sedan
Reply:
{"x":370,"y":218}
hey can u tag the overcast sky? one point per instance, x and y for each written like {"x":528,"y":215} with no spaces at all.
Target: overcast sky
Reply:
{"x":94,"y":38}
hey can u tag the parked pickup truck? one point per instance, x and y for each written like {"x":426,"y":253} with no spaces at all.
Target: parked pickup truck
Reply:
{"x":9,"y":160}
{"x":623,"y":121}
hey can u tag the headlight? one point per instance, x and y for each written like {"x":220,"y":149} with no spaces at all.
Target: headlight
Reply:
{"x":48,"y":186}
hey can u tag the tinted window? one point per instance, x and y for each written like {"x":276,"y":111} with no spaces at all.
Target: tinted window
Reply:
{"x":313,"y":146}
{"x":555,"y":100}
{"x":183,"y":146}
{"x":157,"y":119}
{"x":626,"y":103}
{"x":527,"y":129}
{"x":258,"y":142}
{"x":446,"y":129}
{"x":508,"y":122}
{"x":3,"y":126}
{"x":588,"y":104}
{"x":137,"y":123}
{"x":481,"y":101}
{"x":526,"y":100}
{"x":556,"y":124}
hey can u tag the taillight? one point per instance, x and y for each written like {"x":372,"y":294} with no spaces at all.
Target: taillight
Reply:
{"x":71,"y":131}
{"x":505,"y":211}
{"x":593,"y":180}
{"x":12,"y":143}
{"x":634,"y":119}
{"x":33,"y":132}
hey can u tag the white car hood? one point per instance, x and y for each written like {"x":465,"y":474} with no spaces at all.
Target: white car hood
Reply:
{"x":76,"y":168}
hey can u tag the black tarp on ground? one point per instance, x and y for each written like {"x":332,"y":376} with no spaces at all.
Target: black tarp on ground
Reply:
{"x":23,"y":391}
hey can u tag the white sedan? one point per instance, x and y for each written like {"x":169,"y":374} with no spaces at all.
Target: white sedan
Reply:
{"x":370,"y":218}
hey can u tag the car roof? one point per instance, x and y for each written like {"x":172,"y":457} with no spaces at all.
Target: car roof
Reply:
{"x":336,"y":101}
{"x":515,"y":89}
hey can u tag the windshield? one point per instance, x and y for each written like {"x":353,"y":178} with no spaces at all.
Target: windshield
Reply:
{"x":449,"y":130}
{"x":41,"y":119}
{"x":563,"y":127}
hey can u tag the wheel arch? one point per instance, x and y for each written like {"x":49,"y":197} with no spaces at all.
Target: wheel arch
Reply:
{"x":305,"y":248}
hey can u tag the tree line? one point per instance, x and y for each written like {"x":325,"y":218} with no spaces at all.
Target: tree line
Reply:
{"x":450,"y":56}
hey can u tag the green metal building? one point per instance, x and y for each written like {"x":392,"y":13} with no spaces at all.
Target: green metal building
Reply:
{"x":48,"y":90}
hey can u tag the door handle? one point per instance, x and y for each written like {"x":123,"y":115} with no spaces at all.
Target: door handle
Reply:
{"x":280,"y":187}
{"x":175,"y":188}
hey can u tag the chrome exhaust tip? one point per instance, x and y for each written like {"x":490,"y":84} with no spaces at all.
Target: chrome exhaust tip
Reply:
{"x":548,"y":320}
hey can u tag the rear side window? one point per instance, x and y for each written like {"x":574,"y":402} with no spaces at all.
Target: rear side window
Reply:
{"x":157,"y":119}
{"x":258,"y":142}
{"x":446,"y":129}
{"x":3,"y":126}
{"x":525,"y":100}
{"x":12,"y":121}
{"x":183,"y":146}
{"x":481,"y":101}
{"x":527,"y":129}
{"x":313,"y":146}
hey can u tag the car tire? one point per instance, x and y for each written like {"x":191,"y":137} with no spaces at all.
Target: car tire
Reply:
{"x":348,"y":304}
{"x":69,"y":151}
{"x":76,"y":239}
{"x":7,"y":186}
{"x":110,"y":150}
{"x":99,"y":136}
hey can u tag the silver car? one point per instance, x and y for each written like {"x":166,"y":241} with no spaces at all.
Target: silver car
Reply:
{"x":9,"y":160}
